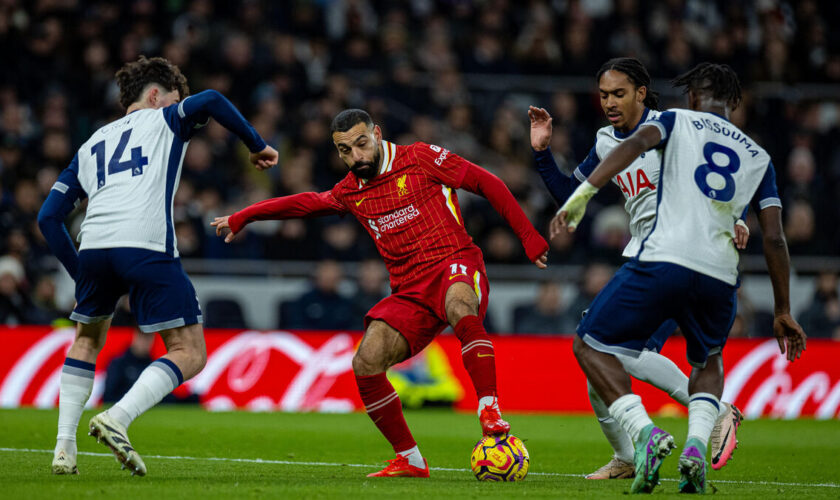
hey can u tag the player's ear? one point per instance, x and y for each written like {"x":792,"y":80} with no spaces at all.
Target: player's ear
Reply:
{"x":377,"y":133}
{"x":641,"y":93}
{"x":152,"y":95}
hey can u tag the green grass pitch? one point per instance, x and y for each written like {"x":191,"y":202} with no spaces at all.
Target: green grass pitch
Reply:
{"x":194,"y":454}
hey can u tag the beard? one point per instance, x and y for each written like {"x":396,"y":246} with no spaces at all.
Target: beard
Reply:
{"x":367,"y":170}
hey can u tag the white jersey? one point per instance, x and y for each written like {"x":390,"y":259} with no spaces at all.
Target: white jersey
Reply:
{"x":637,"y":182}
{"x":711,"y":170}
{"x":130,"y":170}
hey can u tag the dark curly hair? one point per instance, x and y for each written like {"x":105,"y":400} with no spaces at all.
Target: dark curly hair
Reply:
{"x":716,"y":80}
{"x":134,"y":76}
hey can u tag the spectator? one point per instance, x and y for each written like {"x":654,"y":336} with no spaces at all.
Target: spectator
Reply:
{"x":14,"y":304}
{"x":547,"y":314}
{"x":821,"y":319}
{"x":322,"y":307}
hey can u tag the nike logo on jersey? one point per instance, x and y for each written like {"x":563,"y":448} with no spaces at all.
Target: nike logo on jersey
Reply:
{"x":484,"y":355}
{"x":360,"y":201}
{"x":456,"y":275}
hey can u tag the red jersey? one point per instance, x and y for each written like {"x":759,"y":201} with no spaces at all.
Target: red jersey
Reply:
{"x":410,"y":208}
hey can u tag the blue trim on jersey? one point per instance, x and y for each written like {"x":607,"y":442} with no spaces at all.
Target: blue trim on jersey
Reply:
{"x":625,"y":135}
{"x":173,"y":166}
{"x":767,"y":194}
{"x":588,"y":165}
{"x":665,"y":123}
{"x":658,"y":201}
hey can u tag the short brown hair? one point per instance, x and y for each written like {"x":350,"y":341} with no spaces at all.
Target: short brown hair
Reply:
{"x":134,"y":76}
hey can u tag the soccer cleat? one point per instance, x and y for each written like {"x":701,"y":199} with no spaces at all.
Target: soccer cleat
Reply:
{"x":723,"y":439}
{"x":491,"y":422}
{"x":614,"y":469}
{"x":64,"y":463}
{"x":399,"y":467}
{"x":653,"y":446}
{"x":104,"y":428}
{"x":693,"y":467}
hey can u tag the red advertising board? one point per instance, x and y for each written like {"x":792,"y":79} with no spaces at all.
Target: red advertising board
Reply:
{"x":311,"y":371}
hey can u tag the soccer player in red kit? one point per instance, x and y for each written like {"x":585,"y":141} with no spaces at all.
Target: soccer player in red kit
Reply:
{"x":404,"y":196}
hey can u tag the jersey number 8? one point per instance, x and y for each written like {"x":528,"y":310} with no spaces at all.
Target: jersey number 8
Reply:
{"x":701,"y":175}
{"x":135,"y":163}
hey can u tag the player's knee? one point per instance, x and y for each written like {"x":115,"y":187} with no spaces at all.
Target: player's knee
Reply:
{"x":366,"y":364}
{"x":458,"y":309}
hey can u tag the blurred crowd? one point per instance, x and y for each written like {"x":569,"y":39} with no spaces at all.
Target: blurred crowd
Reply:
{"x":416,"y":66}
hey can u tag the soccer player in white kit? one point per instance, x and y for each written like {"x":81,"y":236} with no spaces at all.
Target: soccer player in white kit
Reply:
{"x":686,"y":266}
{"x":628,"y":102}
{"x":129,"y":171}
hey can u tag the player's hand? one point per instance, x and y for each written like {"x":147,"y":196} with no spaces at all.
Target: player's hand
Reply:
{"x":571,"y":213}
{"x":787,"y":331}
{"x":540,"y":128}
{"x":542,"y":262}
{"x":742,"y":234}
{"x":264,"y":159}
{"x":221,"y":223}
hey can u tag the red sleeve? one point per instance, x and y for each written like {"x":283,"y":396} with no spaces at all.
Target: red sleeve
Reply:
{"x":483,"y":183}
{"x":444,"y":166}
{"x":287,"y":207}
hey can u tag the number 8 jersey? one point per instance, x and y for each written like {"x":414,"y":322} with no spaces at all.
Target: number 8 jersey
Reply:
{"x":710,"y":171}
{"x":130,"y":170}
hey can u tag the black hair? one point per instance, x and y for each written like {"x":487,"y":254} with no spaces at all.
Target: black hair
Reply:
{"x":717,"y":80}
{"x":134,"y":76}
{"x":636,"y":73}
{"x":348,"y":119}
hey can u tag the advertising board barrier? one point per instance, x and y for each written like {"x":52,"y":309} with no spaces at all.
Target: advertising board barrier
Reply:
{"x":311,"y":371}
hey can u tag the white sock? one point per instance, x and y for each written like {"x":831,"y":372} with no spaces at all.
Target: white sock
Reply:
{"x":414,"y":457}
{"x":702,"y":413}
{"x":156,"y":381}
{"x":660,"y":372}
{"x":630,"y":413}
{"x":75,"y":386}
{"x":723,"y":410}
{"x":490,"y":401}
{"x":619,"y":440}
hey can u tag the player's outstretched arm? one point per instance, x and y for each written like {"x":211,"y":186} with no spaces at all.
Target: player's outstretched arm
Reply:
{"x":483,"y":183}
{"x":286,"y":207}
{"x":59,"y":203}
{"x":210,"y":103}
{"x":558,"y":184}
{"x":571,"y":213}
{"x":788,"y":333}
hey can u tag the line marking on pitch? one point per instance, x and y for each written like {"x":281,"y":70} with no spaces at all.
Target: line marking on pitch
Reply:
{"x":370,"y":466}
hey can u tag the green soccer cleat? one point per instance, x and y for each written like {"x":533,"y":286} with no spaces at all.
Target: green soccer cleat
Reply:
{"x":652,"y":447}
{"x":693,"y":467}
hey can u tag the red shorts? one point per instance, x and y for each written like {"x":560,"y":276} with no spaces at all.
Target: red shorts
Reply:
{"x":417,"y":309}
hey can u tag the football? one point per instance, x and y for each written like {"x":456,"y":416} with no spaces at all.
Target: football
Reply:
{"x":500,"y":458}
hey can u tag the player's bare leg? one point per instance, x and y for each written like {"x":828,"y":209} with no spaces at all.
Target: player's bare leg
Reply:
{"x":462,"y":308}
{"x":381,"y":348}
{"x":75,"y":386}
{"x":705,"y":386}
{"x":652,"y":444}
{"x":186,"y":356}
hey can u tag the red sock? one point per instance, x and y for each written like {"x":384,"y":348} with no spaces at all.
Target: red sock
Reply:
{"x":478,"y":355}
{"x":384,"y":408}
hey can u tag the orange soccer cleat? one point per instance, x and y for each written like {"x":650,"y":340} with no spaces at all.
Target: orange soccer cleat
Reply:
{"x":491,"y":422}
{"x":399,"y":467}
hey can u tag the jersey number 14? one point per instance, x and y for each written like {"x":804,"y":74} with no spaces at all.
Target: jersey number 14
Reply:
{"x":135,"y":163}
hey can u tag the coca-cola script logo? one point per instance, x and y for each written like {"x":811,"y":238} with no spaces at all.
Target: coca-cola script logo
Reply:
{"x":778,"y":395}
{"x":277,"y":371}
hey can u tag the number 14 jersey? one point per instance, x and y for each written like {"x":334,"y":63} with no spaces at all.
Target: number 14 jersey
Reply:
{"x":710,"y":171}
{"x":129,"y":170}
